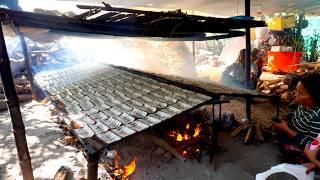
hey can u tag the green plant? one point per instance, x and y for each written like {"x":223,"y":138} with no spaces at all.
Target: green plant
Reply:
{"x":298,"y":43}
{"x":312,"y":45}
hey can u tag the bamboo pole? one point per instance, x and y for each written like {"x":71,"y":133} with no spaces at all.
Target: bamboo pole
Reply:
{"x":14,"y":110}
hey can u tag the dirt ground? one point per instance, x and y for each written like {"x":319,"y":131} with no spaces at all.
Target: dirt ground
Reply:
{"x":45,"y":141}
{"x":49,"y":152}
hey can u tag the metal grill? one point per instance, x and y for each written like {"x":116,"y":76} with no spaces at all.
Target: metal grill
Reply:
{"x":112,"y":103}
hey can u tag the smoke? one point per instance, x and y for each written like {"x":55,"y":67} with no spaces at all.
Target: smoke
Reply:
{"x":49,"y":51}
{"x":163,"y":57}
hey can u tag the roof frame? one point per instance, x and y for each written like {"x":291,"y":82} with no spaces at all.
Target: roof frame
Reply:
{"x":173,"y":25}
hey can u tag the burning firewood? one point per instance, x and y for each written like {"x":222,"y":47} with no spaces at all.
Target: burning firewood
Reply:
{"x":121,"y":173}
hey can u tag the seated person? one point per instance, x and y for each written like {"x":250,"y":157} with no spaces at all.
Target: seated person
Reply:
{"x":257,"y":60}
{"x":254,"y":73}
{"x":304,"y":125}
{"x":235,"y":74}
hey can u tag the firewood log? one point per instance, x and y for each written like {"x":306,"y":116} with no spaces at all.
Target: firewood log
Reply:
{"x":266,"y":91}
{"x":282,"y":89}
{"x":62,"y":173}
{"x":285,"y":86}
{"x":273,"y":82}
{"x":284,"y":96}
{"x":274,"y":86}
{"x":311,"y":65}
{"x":259,"y":137}
{"x":248,"y":135}
{"x":167,"y":147}
{"x":239,"y":129}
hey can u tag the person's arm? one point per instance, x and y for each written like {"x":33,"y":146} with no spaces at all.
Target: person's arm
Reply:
{"x":301,"y":139}
{"x":312,"y":156}
{"x":228,"y":69}
{"x":283,"y":126}
{"x":226,"y":77}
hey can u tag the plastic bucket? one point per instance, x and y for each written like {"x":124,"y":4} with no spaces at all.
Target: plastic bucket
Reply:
{"x":283,"y":61}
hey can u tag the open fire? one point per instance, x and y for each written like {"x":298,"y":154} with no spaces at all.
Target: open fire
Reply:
{"x":118,"y":172}
{"x":190,"y":136}
{"x":188,"y":133}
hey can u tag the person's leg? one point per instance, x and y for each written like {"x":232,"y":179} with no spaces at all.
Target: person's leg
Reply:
{"x":290,"y":150}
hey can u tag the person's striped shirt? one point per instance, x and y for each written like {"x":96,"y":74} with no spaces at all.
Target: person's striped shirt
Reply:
{"x":307,"y":124}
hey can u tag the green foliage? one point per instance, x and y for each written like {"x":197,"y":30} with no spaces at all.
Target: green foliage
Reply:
{"x":312,"y":48}
{"x":298,"y":43}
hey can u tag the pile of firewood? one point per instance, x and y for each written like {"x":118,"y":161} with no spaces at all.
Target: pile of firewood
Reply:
{"x":285,"y":86}
{"x":22,"y":88}
{"x":308,"y":68}
{"x":278,"y":87}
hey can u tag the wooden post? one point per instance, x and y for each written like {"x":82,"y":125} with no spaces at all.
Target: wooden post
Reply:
{"x":93,"y":161}
{"x":248,"y":46}
{"x":14,"y":110}
{"x":248,"y":64}
{"x":27,"y":63}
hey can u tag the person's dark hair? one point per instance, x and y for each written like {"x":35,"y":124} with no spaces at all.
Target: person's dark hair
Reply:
{"x":242,"y":54}
{"x":312,"y":83}
{"x":255,"y":52}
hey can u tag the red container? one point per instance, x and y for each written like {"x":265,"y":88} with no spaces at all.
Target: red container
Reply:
{"x":283,"y":61}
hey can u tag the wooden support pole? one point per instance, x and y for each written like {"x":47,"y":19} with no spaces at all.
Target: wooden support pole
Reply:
{"x":27,"y":63}
{"x":93,"y":161}
{"x":214,"y":135}
{"x":14,"y":110}
{"x":248,"y":64}
{"x":248,"y":46}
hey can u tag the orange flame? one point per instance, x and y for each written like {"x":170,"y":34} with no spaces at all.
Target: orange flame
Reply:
{"x":128,"y":170}
{"x":125,"y":171}
{"x":186,"y":136}
{"x":197,"y":131}
{"x":179,"y":137}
